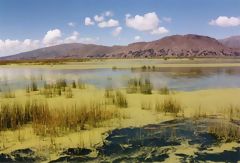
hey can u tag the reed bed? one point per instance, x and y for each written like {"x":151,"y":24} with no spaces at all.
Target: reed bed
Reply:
{"x":8,"y":93}
{"x":146,"y":105}
{"x":169,"y":105}
{"x":47,"y":120}
{"x":232,"y":112}
{"x":225,"y":131}
{"x":142,"y":85}
{"x":164,"y":91}
{"x":116,"y":97}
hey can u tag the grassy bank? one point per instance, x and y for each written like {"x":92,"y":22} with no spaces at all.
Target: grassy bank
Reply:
{"x":32,"y":118}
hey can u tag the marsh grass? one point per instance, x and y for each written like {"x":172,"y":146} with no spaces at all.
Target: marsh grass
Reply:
{"x":81,"y":84}
{"x":115,"y":97}
{"x":232,"y":112}
{"x":199,"y":113}
{"x":74,"y":84}
{"x":110,"y":96}
{"x":114,"y":68}
{"x":61,"y":83}
{"x":8,"y":93}
{"x":225,"y":131}
{"x":54,"y":120}
{"x":169,"y":105}
{"x":11,"y":116}
{"x":43,"y":61}
{"x":33,"y":85}
{"x":121,"y":100}
{"x":164,"y":91}
{"x":142,"y":85}
{"x":50,"y":91}
{"x":68,"y":92}
{"x":57,"y":89}
{"x":146,"y":105}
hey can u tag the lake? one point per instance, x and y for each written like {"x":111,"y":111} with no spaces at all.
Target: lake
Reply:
{"x":176,"y":78}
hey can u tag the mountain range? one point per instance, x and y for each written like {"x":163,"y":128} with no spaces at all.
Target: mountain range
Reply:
{"x":171,"y":46}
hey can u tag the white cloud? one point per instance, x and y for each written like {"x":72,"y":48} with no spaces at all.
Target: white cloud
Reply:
{"x":88,"y":21}
{"x":109,"y":23}
{"x":117,"y":31}
{"x":73,"y":38}
{"x":159,"y":31}
{"x":101,"y":18}
{"x":224,"y":21}
{"x":52,"y":37}
{"x":137,"y":38}
{"x":147,"y":22}
{"x":8,"y":47}
{"x":98,"y":18}
{"x":167,"y":19}
{"x":108,"y":13}
{"x":71,"y":24}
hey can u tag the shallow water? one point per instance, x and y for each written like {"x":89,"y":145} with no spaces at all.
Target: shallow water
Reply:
{"x":150,"y":143}
{"x":178,"y":78}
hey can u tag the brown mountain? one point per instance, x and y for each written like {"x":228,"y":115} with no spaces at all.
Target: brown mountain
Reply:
{"x":171,"y":46}
{"x":232,"y":42}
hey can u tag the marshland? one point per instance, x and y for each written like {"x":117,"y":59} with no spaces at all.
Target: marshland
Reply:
{"x":133,"y":110}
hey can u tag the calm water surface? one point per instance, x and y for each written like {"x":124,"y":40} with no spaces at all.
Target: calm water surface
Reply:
{"x":175,"y":78}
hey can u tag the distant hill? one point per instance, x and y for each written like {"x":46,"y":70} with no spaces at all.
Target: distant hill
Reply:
{"x":172,"y":46}
{"x":232,"y":42}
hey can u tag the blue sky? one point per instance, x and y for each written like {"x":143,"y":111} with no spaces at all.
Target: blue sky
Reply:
{"x":30,"y":24}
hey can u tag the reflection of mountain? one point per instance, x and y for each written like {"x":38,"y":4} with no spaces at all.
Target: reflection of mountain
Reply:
{"x":191,"y":72}
{"x":171,"y":46}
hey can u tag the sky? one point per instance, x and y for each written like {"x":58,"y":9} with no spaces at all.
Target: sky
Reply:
{"x":30,"y":24}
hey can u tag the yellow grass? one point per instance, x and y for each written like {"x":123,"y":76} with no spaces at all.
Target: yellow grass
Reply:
{"x":136,"y":63}
{"x":212,"y":102}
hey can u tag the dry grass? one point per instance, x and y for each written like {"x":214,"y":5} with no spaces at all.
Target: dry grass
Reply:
{"x":68,"y":92}
{"x":54,"y":120}
{"x":225,"y":131}
{"x":8,"y":93}
{"x":57,"y":89}
{"x":121,"y":100}
{"x":81,"y":84}
{"x":141,"y":85}
{"x":169,"y":105}
{"x":232,"y":112}
{"x":164,"y":91}
{"x":116,"y":97}
{"x":146,"y":105}
{"x":199,"y":113}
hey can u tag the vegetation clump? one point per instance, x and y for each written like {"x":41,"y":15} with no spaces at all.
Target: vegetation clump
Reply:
{"x":48,"y":120}
{"x":68,"y":92}
{"x":81,"y":84}
{"x":8,"y":93}
{"x":169,"y":105}
{"x":74,"y":84}
{"x":225,"y":131}
{"x":141,"y":85}
{"x":164,"y":91}
{"x":115,"y":97}
{"x":57,"y":89}
{"x":33,"y":85}
{"x":146,"y":106}
{"x":232,"y":112}
{"x":120,"y":100}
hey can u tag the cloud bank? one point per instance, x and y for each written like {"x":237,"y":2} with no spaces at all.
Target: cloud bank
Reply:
{"x":224,"y":21}
{"x":149,"y":22}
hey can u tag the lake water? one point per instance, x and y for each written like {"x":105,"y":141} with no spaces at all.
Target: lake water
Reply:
{"x":177,"y":78}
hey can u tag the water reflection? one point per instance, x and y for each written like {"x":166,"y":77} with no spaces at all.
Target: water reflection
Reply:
{"x":178,"y":78}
